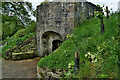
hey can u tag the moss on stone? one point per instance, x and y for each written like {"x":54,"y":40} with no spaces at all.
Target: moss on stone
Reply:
{"x":22,"y":55}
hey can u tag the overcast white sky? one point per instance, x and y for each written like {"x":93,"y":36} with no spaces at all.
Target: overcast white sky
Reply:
{"x":111,"y":3}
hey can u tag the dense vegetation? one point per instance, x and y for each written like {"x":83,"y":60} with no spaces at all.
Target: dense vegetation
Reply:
{"x":15,"y":16}
{"x":17,"y":24}
{"x":20,"y":36}
{"x":98,"y":53}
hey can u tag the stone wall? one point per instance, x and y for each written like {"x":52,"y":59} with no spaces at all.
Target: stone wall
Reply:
{"x":46,"y":73}
{"x":83,"y":10}
{"x":27,"y":46}
{"x":53,"y":23}
{"x":55,"y":20}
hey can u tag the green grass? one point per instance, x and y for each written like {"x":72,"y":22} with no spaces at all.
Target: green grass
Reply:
{"x":87,"y":38}
{"x":18,"y":38}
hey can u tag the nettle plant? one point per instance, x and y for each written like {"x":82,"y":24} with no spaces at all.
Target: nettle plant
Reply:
{"x":95,"y":56}
{"x":71,"y":73}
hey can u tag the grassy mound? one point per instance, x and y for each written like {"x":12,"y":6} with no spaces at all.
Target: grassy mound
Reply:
{"x":20,"y":36}
{"x":87,"y":39}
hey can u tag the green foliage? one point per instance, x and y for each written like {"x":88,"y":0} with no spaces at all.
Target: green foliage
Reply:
{"x":98,"y":53}
{"x":103,"y":75}
{"x":70,"y":72}
{"x":17,"y":25}
{"x":8,"y":23}
{"x":19,"y":41}
{"x":99,"y":14}
{"x":31,"y":27}
{"x":43,"y":3}
{"x":20,"y":36}
{"x":20,"y":33}
{"x":15,"y":16}
{"x":18,"y":9}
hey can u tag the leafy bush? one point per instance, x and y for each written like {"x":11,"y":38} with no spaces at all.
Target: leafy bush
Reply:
{"x":31,"y":28}
{"x":71,"y":73}
{"x":20,"y":33}
{"x":20,"y":36}
{"x":19,"y":41}
{"x":25,"y":31}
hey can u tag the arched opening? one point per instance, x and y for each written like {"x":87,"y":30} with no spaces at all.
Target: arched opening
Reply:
{"x":56,"y":44}
{"x":50,"y":42}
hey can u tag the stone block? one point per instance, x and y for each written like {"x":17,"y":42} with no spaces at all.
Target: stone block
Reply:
{"x":22,"y":55}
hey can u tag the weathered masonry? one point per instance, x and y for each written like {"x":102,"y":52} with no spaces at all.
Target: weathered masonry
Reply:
{"x":55,"y":20}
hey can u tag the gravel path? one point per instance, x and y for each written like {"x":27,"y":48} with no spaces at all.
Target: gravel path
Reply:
{"x":19,"y":69}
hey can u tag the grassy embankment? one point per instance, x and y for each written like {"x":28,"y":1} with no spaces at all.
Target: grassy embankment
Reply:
{"x":20,"y":36}
{"x":101,"y":50}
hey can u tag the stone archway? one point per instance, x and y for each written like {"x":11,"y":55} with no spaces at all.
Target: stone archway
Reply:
{"x":50,"y":40}
{"x":55,"y":44}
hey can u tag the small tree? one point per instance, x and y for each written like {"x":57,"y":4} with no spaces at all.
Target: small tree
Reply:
{"x":100,"y":15}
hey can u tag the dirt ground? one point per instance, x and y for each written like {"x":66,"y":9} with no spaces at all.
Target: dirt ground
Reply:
{"x":20,"y":69}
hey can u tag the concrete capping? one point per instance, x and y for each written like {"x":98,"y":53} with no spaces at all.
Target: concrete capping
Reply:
{"x":22,"y":55}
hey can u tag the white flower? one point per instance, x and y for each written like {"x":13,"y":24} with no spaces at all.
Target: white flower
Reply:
{"x":89,"y":53}
{"x":92,"y":56}
{"x":69,"y":64}
{"x":85,"y":55}
{"x":95,"y":54}
{"x":92,"y":61}
{"x":69,"y":74}
{"x":113,"y":38}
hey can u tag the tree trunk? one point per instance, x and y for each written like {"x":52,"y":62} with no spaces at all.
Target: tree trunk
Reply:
{"x":102,"y":26}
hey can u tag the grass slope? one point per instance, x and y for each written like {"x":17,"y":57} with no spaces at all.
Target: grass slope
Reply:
{"x":87,"y":38}
{"x":20,"y":36}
